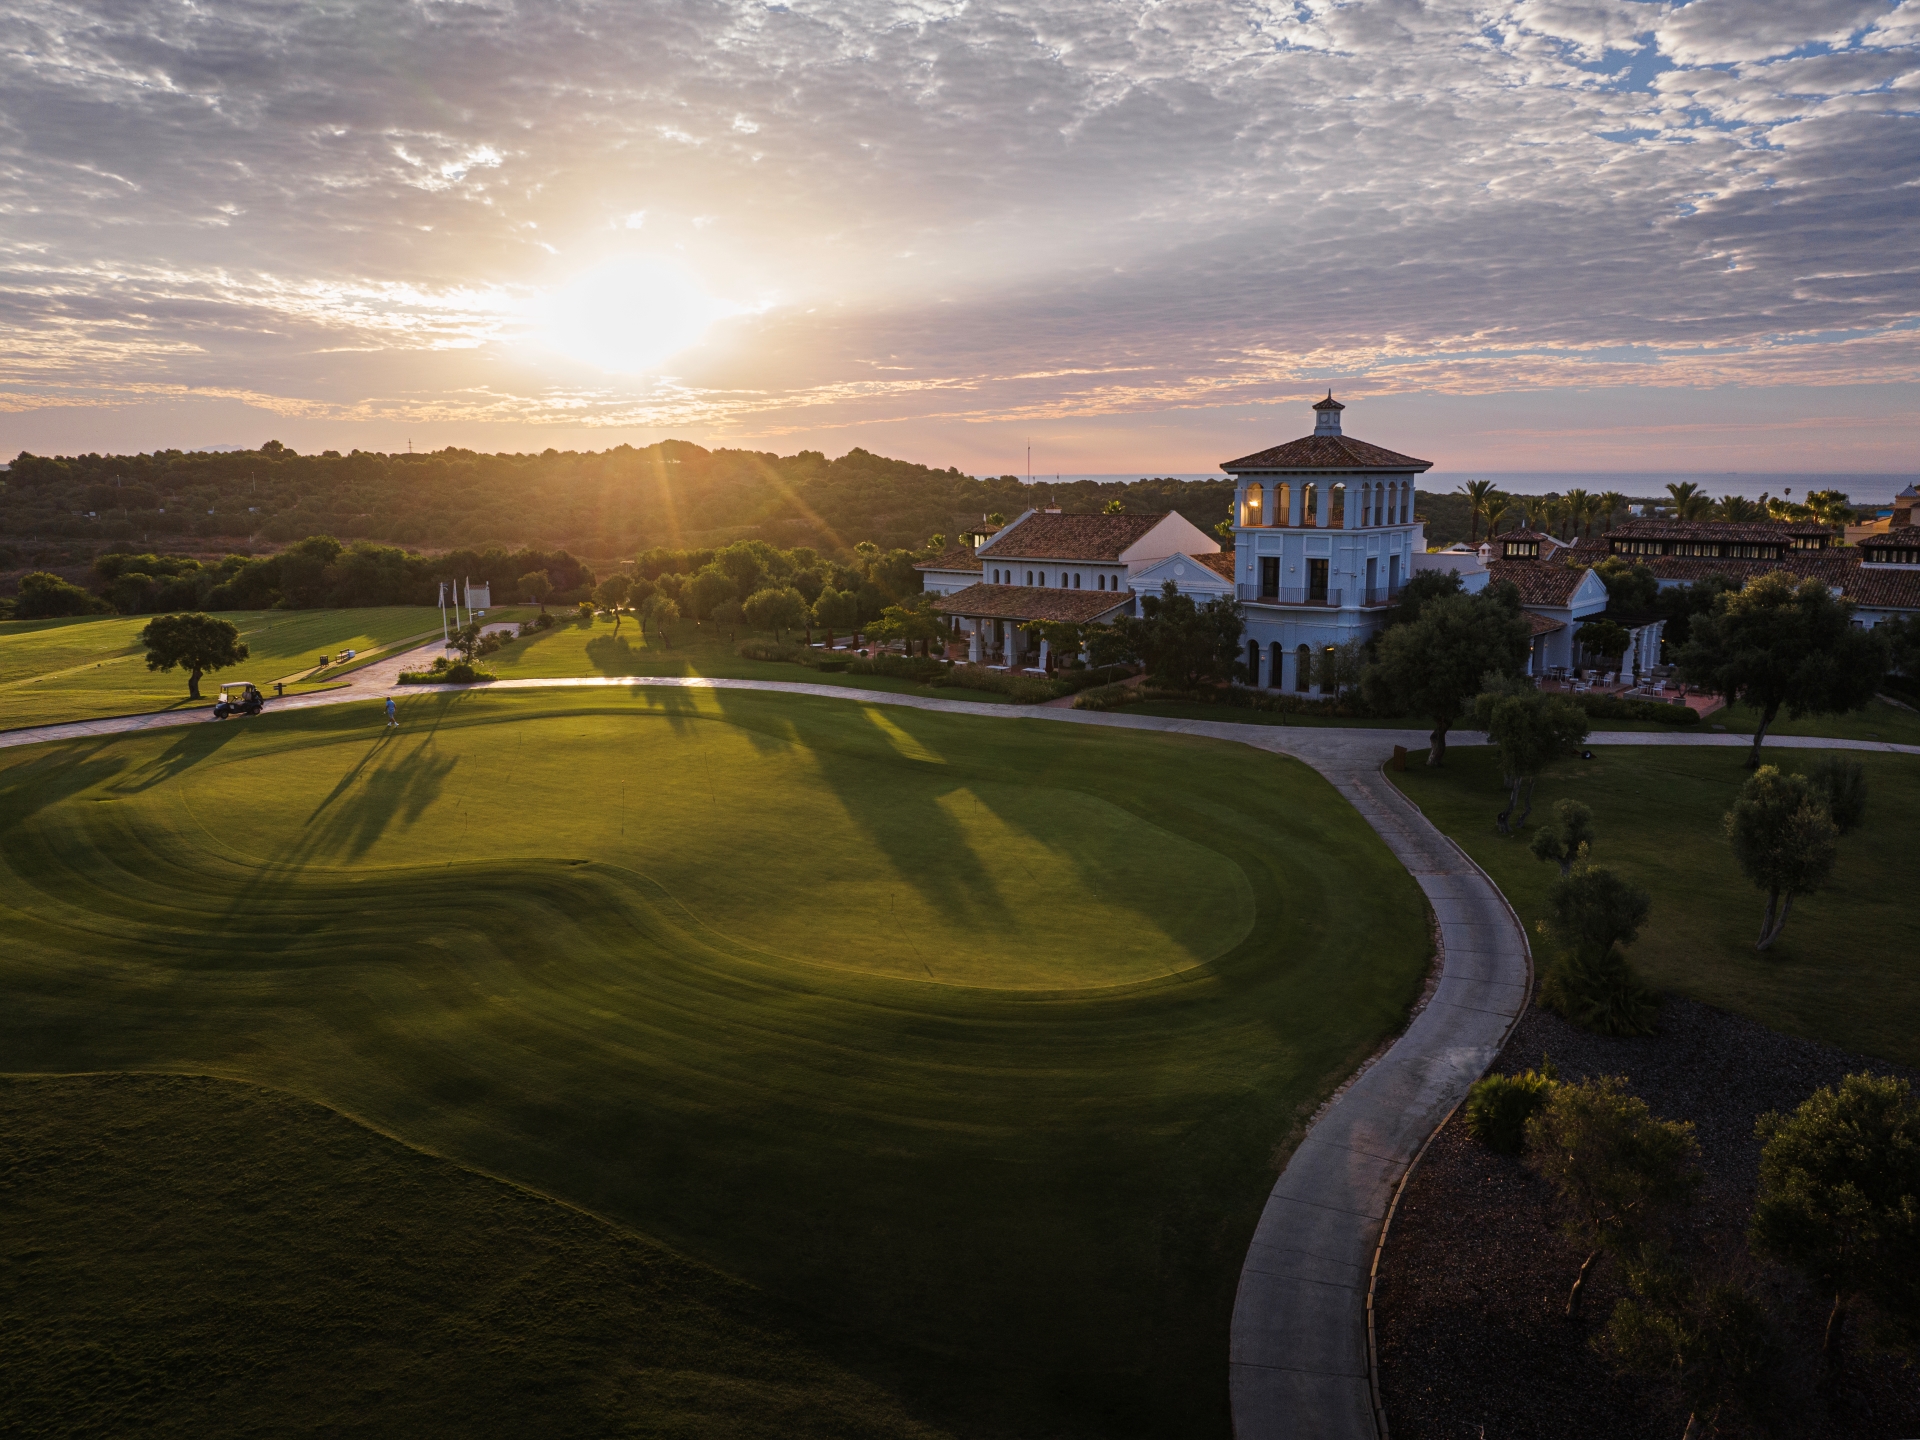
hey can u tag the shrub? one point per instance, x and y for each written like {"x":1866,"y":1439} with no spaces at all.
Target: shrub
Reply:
{"x":1498,"y":1108}
{"x":460,"y":673}
{"x":901,"y":667}
{"x":1599,"y":991}
{"x":1025,"y":689}
{"x":1093,"y":677}
{"x":1107,"y":697}
{"x":1614,"y":707}
{"x":1843,"y":781}
{"x":774,"y":650}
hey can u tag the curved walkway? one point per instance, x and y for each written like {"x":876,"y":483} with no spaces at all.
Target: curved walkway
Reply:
{"x":1298,"y":1363}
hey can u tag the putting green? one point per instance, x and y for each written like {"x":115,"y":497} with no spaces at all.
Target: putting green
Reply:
{"x":781,"y":848}
{"x":979,"y":1040}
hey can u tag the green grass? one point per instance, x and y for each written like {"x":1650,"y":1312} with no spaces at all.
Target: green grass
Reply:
{"x":209,"y":1258}
{"x":573,"y":648}
{"x":83,"y":668}
{"x":1845,"y":969}
{"x":979,"y":1041}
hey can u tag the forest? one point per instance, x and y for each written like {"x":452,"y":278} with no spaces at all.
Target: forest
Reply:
{"x":672,"y":495}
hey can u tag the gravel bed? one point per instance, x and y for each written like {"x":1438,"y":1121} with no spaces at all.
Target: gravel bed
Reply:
{"x":1473,"y":1282}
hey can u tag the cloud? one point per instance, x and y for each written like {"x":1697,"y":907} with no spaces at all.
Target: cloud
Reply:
{"x":953,"y":210}
{"x":1714,"y":32}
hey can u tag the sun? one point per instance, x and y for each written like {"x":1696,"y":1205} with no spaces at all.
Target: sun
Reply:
{"x":630,"y":315}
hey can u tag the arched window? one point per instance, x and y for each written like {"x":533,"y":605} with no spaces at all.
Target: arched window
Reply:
{"x":1253,"y":511}
{"x":1379,"y":504}
{"x":1283,"y":504}
{"x":1029,"y":577}
{"x":1277,"y":661}
{"x":1253,"y":662}
{"x":1302,"y":669}
{"x":1076,"y":579}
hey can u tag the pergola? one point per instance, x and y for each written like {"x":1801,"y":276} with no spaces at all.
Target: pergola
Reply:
{"x":991,"y":616}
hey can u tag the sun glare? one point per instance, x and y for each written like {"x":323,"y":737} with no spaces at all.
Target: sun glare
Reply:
{"x":628,"y":316}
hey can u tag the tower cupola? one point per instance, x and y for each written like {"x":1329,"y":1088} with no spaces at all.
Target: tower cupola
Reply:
{"x":1326,"y":415}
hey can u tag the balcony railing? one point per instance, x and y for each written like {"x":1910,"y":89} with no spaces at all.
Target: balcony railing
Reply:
{"x":1332,"y":598}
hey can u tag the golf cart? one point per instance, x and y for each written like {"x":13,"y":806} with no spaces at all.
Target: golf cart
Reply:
{"x":238,"y":697}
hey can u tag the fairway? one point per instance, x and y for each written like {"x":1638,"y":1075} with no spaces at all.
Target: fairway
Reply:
{"x":980,"y":1041}
{"x":1844,"y":970}
{"x":78,"y":669}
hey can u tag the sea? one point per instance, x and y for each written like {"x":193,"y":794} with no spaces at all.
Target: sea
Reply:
{"x":1861,"y":490}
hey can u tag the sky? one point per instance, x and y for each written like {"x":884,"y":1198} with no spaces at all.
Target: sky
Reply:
{"x":1546,"y":235}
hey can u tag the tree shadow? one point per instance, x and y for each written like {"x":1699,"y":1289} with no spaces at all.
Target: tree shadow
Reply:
{"x":195,"y":744}
{"x":611,"y":655}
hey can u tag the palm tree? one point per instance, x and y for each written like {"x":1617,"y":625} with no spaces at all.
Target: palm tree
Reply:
{"x":1688,"y":501}
{"x":1497,"y":507}
{"x":1578,"y":511}
{"x":1737,"y":507}
{"x":1608,"y":506}
{"x":1478,"y":493}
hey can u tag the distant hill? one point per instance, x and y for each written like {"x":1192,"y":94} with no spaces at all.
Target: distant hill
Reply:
{"x":606,"y":503}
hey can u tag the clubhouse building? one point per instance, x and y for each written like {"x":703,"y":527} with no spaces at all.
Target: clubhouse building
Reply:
{"x":1325,"y":538}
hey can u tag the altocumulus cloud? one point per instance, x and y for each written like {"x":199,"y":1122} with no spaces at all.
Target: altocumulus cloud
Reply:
{"x":952,"y":209}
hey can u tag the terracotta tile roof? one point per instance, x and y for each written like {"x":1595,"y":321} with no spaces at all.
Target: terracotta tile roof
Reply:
{"x":1884,"y":589}
{"x":1538,"y":625}
{"x":1778,"y":531}
{"x":1070,"y":537}
{"x":1863,"y":585}
{"x":1540,"y":582}
{"x":1326,"y":452}
{"x":1032,"y":602}
{"x":954,"y":557}
{"x":1220,"y":562}
{"x":1905,"y":537}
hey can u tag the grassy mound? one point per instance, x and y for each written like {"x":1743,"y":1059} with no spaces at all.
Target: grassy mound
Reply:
{"x":1842,"y":971}
{"x":979,"y":1039}
{"x":211,"y":1258}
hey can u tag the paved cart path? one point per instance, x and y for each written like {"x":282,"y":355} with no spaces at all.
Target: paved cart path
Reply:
{"x":1298,"y":1363}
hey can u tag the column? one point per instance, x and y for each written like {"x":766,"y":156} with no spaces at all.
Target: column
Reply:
{"x":1043,"y":652}
{"x":1322,"y":503}
{"x":1296,"y":503}
{"x":1354,"y":513}
{"x":973,"y":644}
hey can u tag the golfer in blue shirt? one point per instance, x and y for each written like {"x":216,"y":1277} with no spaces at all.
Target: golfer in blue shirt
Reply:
{"x":393,"y":719}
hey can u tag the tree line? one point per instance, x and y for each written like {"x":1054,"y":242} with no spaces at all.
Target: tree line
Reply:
{"x":611,"y":502}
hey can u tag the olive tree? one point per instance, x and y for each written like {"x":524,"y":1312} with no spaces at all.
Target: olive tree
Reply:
{"x":775,"y":608}
{"x":1709,"y":1338}
{"x":1782,"y":643}
{"x":1568,"y":839}
{"x":1785,"y":840}
{"x":1433,"y":665}
{"x":195,"y":643}
{"x":1619,"y":1172}
{"x":1839,"y":1200}
{"x":1532,"y":730}
{"x":612,"y":593}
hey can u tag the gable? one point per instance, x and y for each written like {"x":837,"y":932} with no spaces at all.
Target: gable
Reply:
{"x":1174,"y":535}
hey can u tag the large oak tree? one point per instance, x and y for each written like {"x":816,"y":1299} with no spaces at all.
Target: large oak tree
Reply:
{"x":194,"y":643}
